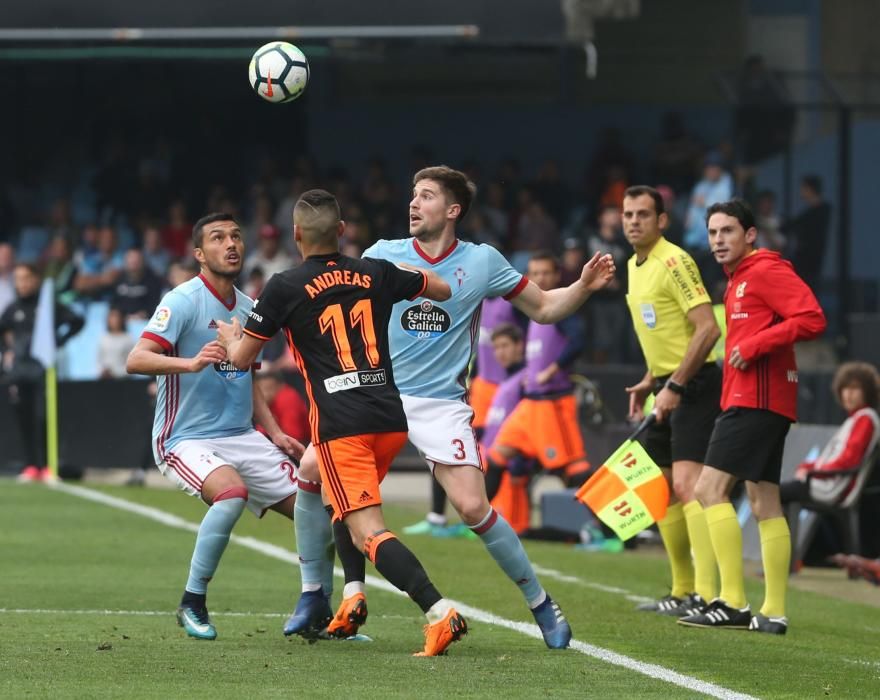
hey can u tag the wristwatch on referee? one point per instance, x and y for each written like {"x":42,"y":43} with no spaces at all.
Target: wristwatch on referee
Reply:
{"x":675,"y":387}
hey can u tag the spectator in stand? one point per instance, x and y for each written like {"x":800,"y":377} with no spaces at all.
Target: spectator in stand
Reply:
{"x":97,"y":274}
{"x":22,"y":373}
{"x":286,"y":405}
{"x":260,"y":217}
{"x":807,"y":233}
{"x":138,"y":290}
{"x":674,"y":232}
{"x":59,"y":223}
{"x":181,"y":271}
{"x":7,"y":265}
{"x":552,"y":191}
{"x":768,"y":222}
{"x":676,"y":155}
{"x":764,"y":117}
{"x":114,"y":346}
{"x":607,"y":311}
{"x":535,"y":230}
{"x":177,"y":235}
{"x":270,"y":255}
{"x":256,"y":280}
{"x":610,"y":153}
{"x":615,"y":185}
{"x":574,"y":257}
{"x":156,"y":256}
{"x":477,"y":230}
{"x":61,"y":269}
{"x":716,"y":185}
{"x":856,"y":387}
{"x":358,"y":234}
{"x":497,"y":216}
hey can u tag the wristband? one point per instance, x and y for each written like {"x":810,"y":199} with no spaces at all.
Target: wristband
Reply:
{"x":675,"y":387}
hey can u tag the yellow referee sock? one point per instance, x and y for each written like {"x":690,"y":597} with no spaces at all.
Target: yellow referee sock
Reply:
{"x":726,"y":535}
{"x":776,"y":556}
{"x":705,"y":568}
{"x":673,"y":530}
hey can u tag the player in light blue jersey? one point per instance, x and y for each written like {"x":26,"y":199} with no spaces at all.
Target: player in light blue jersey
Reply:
{"x":204,"y":439}
{"x":431,"y":345}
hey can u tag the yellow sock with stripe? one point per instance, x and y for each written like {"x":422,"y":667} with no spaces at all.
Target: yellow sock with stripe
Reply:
{"x":726,"y":535}
{"x":705,"y":567}
{"x":776,"y":556}
{"x":673,"y":530}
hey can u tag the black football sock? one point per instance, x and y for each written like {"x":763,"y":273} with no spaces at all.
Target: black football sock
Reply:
{"x":401,"y":568}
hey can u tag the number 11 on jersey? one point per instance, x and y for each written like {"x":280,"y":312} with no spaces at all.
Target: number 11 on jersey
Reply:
{"x":333,"y":319}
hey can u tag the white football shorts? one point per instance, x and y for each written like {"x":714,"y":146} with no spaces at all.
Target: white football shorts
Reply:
{"x":441,"y":431}
{"x":268,"y":473}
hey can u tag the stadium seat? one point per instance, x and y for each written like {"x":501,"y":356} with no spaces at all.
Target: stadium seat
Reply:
{"x":846,"y":514}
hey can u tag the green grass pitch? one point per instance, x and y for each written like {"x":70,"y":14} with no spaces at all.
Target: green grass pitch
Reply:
{"x":87,"y":594}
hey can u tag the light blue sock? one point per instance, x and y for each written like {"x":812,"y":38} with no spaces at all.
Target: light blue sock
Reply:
{"x":211,"y":542}
{"x":314,"y":542}
{"x":506,"y":549}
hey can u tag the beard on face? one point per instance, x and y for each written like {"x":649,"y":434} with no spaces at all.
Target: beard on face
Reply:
{"x":229,"y":271}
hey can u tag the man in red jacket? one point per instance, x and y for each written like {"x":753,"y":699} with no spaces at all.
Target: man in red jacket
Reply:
{"x":768,"y":308}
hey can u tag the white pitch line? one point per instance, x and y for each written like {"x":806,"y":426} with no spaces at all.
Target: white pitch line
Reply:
{"x":567,"y":578}
{"x":651,"y":670}
{"x":126,"y":613}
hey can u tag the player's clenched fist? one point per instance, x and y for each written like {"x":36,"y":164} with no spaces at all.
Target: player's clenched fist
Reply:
{"x":228,"y":333}
{"x":209,"y":354}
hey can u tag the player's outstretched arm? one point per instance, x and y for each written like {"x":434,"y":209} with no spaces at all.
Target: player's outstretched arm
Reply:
{"x":435,"y":288}
{"x":241,"y":348}
{"x":147,"y":357}
{"x":555,"y":304}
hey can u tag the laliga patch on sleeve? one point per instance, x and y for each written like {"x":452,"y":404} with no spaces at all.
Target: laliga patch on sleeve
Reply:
{"x":160,"y":319}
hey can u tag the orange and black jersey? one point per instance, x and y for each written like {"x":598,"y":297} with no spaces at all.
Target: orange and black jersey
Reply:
{"x":334,"y":311}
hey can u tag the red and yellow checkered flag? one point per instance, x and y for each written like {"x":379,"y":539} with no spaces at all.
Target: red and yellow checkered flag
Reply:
{"x":628,"y":492}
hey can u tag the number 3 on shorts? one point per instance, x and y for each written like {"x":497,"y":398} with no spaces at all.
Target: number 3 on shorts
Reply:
{"x":459,"y":449}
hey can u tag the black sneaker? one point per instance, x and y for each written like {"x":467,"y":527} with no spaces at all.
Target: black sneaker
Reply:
{"x":719,"y":614}
{"x":662,"y":606}
{"x":770,"y":625}
{"x":692,"y":604}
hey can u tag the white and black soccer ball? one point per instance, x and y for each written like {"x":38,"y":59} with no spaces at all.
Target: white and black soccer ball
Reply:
{"x":279,"y":72}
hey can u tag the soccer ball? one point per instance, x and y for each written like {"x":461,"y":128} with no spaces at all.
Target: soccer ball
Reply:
{"x":279,"y":72}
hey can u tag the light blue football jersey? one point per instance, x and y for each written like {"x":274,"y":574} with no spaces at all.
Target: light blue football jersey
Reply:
{"x":432,"y":341}
{"x":216,"y":402}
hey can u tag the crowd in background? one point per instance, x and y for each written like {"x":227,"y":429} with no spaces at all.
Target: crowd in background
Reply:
{"x":121,"y":233}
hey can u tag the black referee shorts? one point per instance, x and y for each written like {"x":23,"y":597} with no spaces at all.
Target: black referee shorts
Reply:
{"x":748,"y":443}
{"x":684,"y":435}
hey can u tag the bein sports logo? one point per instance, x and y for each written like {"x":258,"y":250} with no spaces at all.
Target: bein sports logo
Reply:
{"x":353,"y":380}
{"x":227,"y":370}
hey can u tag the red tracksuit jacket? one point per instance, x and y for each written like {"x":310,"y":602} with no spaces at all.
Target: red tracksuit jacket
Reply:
{"x":769,"y":308}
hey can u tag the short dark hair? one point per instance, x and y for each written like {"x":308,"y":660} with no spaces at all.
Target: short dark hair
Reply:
{"x":30,"y":267}
{"x":508,"y":330}
{"x":862,"y":373}
{"x":738,"y":208}
{"x":198,"y":227}
{"x":639,"y":190}
{"x":814,"y":182}
{"x":319,"y":199}
{"x":317,"y":213}
{"x":458,"y":186}
{"x":546,"y":254}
